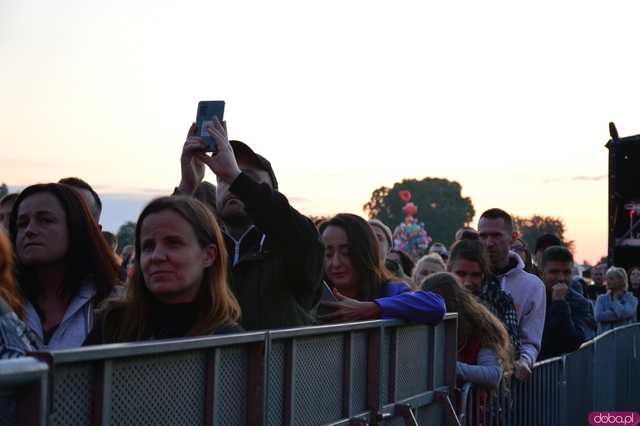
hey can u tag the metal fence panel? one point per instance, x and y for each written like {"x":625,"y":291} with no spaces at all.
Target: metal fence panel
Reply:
{"x":626,"y":373}
{"x":163,"y":389}
{"x":385,"y":374}
{"x":73,"y":391}
{"x":276,"y":383}
{"x":359,"y":372}
{"x":230,"y":378}
{"x":319,"y":372}
{"x":579,"y":382}
{"x":439,"y":355}
{"x":23,"y":392}
{"x":604,"y":361}
{"x":412,"y":368}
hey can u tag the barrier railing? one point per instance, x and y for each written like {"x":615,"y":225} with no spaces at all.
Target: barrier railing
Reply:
{"x":23,"y":391}
{"x":603,"y":375}
{"x":379,"y":372}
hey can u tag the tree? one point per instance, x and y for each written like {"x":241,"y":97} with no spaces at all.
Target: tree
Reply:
{"x":126,"y":235}
{"x":531,"y":228}
{"x":4,"y":190}
{"x":440,"y":203}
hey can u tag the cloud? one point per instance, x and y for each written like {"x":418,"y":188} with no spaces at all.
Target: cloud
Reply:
{"x":576,"y":179}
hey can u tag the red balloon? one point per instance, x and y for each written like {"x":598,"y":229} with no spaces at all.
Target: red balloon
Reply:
{"x":405,"y":196}
{"x":410,"y":209}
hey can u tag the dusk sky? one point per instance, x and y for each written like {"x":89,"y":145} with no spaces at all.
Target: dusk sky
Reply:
{"x":511,"y":99}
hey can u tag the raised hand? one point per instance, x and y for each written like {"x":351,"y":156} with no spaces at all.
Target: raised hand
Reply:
{"x":192,"y":169}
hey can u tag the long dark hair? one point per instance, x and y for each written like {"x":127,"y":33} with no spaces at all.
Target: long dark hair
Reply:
{"x":215,"y":303}
{"x":364,"y":254}
{"x":474,"y":319}
{"x":89,"y":256}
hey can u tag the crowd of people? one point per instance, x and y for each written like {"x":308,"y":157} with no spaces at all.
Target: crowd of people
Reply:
{"x":236,"y":256}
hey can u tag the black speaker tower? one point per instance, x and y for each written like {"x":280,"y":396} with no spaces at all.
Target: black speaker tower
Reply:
{"x":624,"y":199}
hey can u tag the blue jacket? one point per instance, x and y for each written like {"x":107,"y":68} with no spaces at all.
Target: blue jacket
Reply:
{"x":423,"y":307}
{"x":612,"y":313}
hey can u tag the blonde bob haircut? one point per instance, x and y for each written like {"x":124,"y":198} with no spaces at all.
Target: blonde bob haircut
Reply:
{"x":619,"y":275}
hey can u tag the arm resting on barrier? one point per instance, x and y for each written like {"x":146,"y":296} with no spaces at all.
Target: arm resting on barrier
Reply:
{"x":423,"y":307}
{"x":486,"y":373}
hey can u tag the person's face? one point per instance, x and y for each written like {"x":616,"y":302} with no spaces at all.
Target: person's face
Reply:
{"x":497,"y":238}
{"x":555,"y":272}
{"x":614,"y":283}
{"x":42,"y":237}
{"x":425,"y":269}
{"x":5,"y":215}
{"x":383,"y":243}
{"x":171,"y":259}
{"x":228,"y":204}
{"x":469,"y":273}
{"x":337,"y":261}
{"x":598,"y":275}
{"x":634,"y":278}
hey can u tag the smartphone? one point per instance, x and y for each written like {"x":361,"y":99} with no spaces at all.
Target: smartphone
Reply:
{"x":206,"y":111}
{"x":327,"y":296}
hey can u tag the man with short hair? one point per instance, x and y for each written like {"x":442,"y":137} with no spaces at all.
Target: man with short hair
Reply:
{"x":542,"y":242}
{"x":598,"y":287}
{"x":275,"y":253}
{"x":6,"y":204}
{"x":496,"y":232}
{"x":466,"y":233}
{"x":90,"y":197}
{"x":569,"y":318}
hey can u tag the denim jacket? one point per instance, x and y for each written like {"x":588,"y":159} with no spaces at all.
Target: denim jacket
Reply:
{"x":612,"y":313}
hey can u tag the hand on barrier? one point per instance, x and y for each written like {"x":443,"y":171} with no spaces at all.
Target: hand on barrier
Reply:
{"x":349,"y":310}
{"x":521,"y":370}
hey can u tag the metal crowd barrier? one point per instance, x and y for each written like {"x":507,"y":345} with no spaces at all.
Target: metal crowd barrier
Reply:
{"x":23,"y":391}
{"x":381,"y":372}
{"x":603,"y":375}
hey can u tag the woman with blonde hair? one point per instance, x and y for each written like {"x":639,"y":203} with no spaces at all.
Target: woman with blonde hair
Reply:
{"x":618,"y":305}
{"x":179,"y":283}
{"x":425,"y":266}
{"x":485,"y":353}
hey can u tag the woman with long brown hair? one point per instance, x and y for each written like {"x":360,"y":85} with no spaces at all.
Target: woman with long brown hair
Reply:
{"x":363,"y":287}
{"x":485,"y":353}
{"x":64,"y":267}
{"x":179,"y":284}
